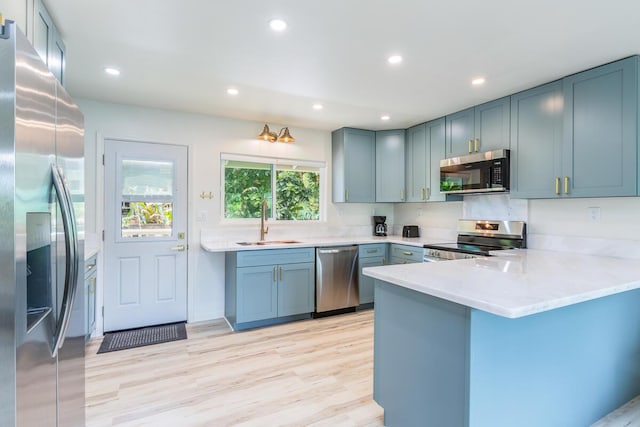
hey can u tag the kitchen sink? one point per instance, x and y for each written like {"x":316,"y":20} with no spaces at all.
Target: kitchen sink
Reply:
{"x":268,"y":242}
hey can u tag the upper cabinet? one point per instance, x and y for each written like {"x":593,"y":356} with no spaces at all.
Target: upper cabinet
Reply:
{"x":599,"y":156}
{"x":390,"y":148}
{"x":577,"y":137}
{"x":425,"y":147}
{"x":46,"y":40}
{"x":536,"y":141}
{"x":484,"y":127}
{"x":353,"y":165}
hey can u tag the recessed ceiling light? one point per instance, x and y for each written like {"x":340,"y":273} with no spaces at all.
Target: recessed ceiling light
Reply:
{"x":318,"y":106}
{"x":112,"y":71}
{"x":232,"y":91}
{"x":385,"y":117}
{"x":478,"y":81}
{"x":278,"y":25}
{"x":395,"y":59}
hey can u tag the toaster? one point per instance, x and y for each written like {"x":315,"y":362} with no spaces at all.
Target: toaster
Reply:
{"x":410,"y":231}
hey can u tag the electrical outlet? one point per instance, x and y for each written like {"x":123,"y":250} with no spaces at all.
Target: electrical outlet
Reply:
{"x":419,"y":212}
{"x":593,"y":214}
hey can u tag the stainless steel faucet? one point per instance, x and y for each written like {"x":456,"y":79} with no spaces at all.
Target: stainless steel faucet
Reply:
{"x":263,"y":219}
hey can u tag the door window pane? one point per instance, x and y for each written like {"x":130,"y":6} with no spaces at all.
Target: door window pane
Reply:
{"x":145,"y":179}
{"x":147,"y":198}
{"x":147,"y":219}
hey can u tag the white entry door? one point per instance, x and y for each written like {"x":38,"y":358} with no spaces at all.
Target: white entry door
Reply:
{"x":145,"y":280}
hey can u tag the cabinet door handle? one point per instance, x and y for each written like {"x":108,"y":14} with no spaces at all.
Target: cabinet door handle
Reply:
{"x":281,"y":274}
{"x":423,"y":194}
{"x":179,"y":248}
{"x":91,"y":266}
{"x":401,"y":194}
{"x":384,"y":260}
{"x":476,"y":142}
{"x":566,"y":185}
{"x":428,"y":194}
{"x":407,"y":253}
{"x":469,"y":145}
{"x":372,"y":251}
{"x":346,"y":195}
{"x":557,"y":185}
{"x":275,"y":277}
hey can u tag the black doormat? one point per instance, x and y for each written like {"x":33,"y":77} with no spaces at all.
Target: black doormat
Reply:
{"x":132,"y":338}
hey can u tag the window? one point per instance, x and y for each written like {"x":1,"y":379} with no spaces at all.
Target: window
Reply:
{"x":292,"y":188}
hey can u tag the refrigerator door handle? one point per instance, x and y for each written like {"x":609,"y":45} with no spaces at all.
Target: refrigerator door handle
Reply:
{"x":71,"y":262}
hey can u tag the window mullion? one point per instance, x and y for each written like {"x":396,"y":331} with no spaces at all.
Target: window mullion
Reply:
{"x":273,"y":191}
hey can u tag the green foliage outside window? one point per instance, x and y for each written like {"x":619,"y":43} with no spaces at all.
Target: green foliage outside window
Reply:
{"x":247,"y":184}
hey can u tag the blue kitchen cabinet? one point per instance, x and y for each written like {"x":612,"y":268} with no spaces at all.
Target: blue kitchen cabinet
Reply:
{"x":264,"y":287}
{"x":369,"y":255}
{"x":425,"y":147}
{"x":90,"y":281}
{"x":600,"y":140}
{"x":536,"y":141}
{"x":47,"y":41}
{"x":405,"y":254}
{"x":481,"y":128}
{"x":353,"y":154}
{"x":296,"y":290}
{"x":577,"y":137}
{"x":389,"y":172}
{"x":257,"y":289}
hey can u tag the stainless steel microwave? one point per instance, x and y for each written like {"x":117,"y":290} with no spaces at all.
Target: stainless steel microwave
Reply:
{"x":475,"y":173}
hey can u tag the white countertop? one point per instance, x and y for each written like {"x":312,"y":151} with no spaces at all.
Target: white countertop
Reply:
{"x":229,"y":246}
{"x":517,"y":283}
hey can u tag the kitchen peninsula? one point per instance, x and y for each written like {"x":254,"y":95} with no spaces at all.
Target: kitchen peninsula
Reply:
{"x":527,"y":338}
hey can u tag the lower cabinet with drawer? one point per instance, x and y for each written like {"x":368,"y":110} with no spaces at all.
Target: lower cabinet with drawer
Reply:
{"x":369,"y":255}
{"x":90,"y":277}
{"x":406,"y":254}
{"x":269,"y":286}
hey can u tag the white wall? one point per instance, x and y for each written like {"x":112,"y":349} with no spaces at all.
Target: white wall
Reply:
{"x":16,"y":10}
{"x":206,"y":137}
{"x":552,"y":224}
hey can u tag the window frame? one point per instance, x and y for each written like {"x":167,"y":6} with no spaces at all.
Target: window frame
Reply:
{"x":274,"y":162}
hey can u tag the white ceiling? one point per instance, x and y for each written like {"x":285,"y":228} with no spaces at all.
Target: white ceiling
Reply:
{"x":183,"y":55}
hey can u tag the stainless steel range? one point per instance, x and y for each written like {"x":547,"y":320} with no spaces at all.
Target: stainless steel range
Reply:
{"x":477,"y":238}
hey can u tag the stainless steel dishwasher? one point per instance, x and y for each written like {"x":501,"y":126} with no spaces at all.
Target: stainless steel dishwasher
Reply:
{"x":336,"y":278}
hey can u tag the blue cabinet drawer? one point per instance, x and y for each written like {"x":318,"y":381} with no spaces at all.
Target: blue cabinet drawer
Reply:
{"x":406,"y":253}
{"x":275,"y":256}
{"x":372,"y":250}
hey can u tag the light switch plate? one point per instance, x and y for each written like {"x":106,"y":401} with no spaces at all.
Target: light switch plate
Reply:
{"x":593,"y":214}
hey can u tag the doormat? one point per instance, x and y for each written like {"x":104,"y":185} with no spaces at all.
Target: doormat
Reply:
{"x":132,"y":338}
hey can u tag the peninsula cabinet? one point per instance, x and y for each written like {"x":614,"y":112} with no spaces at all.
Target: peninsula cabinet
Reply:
{"x":577,"y":137}
{"x":389,"y":172}
{"x":425,"y":147}
{"x":353,"y":165}
{"x":269,"y":286}
{"x":481,"y":128}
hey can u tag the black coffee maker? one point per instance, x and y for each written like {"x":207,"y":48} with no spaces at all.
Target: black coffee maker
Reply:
{"x":379,"y":225}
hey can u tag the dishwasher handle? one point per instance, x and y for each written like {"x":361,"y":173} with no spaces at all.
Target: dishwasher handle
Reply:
{"x":337,"y":250}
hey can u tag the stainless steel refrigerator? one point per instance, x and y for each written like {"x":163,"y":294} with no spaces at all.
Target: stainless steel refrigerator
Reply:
{"x":42,"y":319}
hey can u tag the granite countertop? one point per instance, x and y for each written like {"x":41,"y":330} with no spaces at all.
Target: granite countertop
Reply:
{"x":229,"y":246}
{"x":517,"y":283}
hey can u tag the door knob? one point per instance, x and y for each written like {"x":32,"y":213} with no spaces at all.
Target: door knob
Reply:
{"x":179,"y":248}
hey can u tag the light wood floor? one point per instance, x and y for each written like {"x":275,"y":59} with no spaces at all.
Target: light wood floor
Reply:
{"x":315,"y":372}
